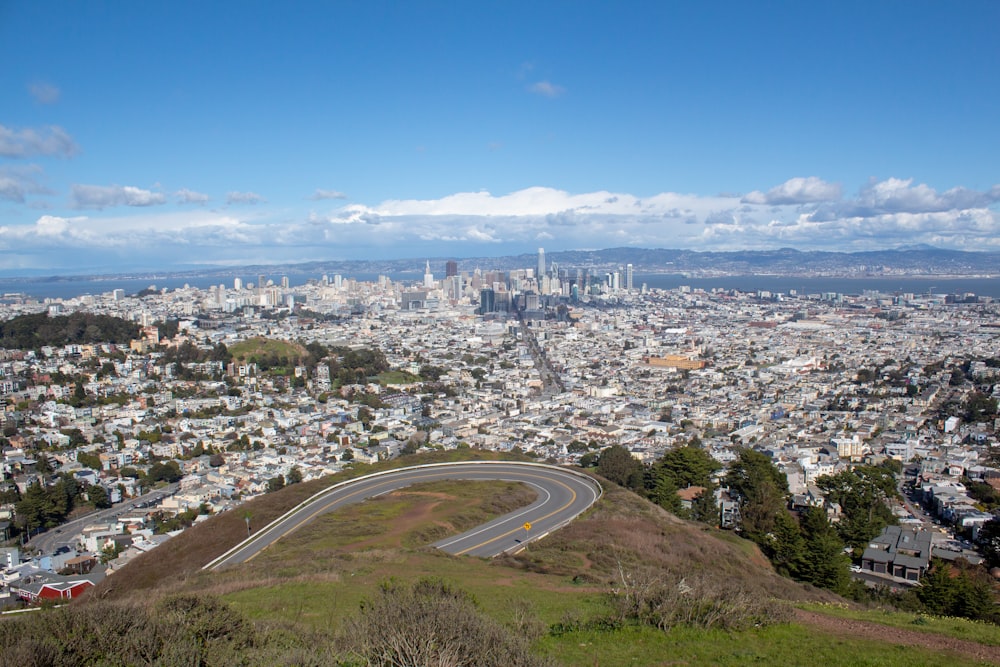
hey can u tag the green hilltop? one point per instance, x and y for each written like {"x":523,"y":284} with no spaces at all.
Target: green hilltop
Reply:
{"x":627,"y":583}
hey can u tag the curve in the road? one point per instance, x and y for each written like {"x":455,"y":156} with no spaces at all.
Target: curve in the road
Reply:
{"x":562,"y":496}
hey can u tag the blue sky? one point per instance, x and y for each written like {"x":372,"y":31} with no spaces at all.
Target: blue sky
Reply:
{"x":162,"y":135}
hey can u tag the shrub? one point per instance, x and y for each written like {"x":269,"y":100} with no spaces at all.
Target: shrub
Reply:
{"x":431,"y":623}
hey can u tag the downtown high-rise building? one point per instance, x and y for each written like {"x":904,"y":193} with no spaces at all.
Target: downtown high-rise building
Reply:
{"x":541,"y":263}
{"x":629,"y":275}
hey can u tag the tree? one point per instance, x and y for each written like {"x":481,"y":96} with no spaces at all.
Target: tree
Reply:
{"x":862,"y":493}
{"x":98,"y":496}
{"x":704,"y":508}
{"x":664,"y":494}
{"x":294,"y":476}
{"x":42,"y":464}
{"x":937,"y":590}
{"x":763,"y":493}
{"x":169,"y":472}
{"x":275,"y":484}
{"x":989,"y":542}
{"x":788,"y":548}
{"x":110,"y":552}
{"x":979,"y":407}
{"x":617,"y":464}
{"x":89,"y":460}
{"x":824,"y":563}
{"x":687,"y":466}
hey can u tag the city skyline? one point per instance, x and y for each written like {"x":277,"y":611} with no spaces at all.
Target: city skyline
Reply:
{"x":172,"y":136}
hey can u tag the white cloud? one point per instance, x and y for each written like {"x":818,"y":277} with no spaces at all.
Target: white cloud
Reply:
{"x":243,"y":198}
{"x":899,"y":195}
{"x":185,"y":196}
{"x":546,"y":89}
{"x":796,"y":191}
{"x":321,"y":194}
{"x":16,"y":182}
{"x":44,"y":93}
{"x":104,"y":196}
{"x":49,"y":140}
{"x":480,"y":222}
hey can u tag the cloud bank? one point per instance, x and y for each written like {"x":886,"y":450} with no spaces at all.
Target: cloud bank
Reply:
{"x":804,"y":212}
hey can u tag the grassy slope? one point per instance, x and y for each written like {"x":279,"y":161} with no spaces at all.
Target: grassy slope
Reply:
{"x":264,"y":346}
{"x":322,"y":573}
{"x":184,"y":556}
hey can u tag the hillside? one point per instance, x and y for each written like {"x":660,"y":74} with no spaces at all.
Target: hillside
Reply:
{"x":627,"y":583}
{"x":260,"y":348}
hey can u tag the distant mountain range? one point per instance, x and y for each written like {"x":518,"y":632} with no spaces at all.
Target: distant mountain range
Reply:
{"x":907,"y":261}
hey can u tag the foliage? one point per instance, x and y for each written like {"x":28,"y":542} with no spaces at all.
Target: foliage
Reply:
{"x":355,"y":366}
{"x":188,"y":629}
{"x":967,"y":593}
{"x":983,"y":493}
{"x":680,"y":468}
{"x":763,"y":493}
{"x":617,"y":464}
{"x":687,"y":466}
{"x":668,"y":601}
{"x":169,"y":472}
{"x":989,"y":542}
{"x":862,"y":493}
{"x":979,"y":407}
{"x":29,"y":332}
{"x":98,"y":496}
{"x":431,"y":623}
{"x":89,"y":460}
{"x":275,"y":484}
{"x":432,"y":373}
{"x":824,"y":563}
{"x":47,"y":506}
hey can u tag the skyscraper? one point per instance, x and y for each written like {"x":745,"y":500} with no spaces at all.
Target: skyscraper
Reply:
{"x":541,"y":263}
{"x":628,"y":277}
{"x":450,"y":268}
{"x":428,"y":276}
{"x":487,"y":301}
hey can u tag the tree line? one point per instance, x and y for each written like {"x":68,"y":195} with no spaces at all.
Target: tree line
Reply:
{"x":31,"y":332}
{"x":806,"y":545}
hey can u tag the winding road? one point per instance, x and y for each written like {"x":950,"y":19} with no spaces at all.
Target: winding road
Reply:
{"x":562,"y":496}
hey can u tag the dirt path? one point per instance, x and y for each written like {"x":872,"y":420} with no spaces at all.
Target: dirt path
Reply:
{"x":853,"y":629}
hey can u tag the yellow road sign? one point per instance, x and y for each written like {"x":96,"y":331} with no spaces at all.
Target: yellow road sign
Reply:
{"x":527,"y":525}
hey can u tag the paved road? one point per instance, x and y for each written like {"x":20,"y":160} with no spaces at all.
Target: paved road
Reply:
{"x":65,"y":535}
{"x":562,"y":496}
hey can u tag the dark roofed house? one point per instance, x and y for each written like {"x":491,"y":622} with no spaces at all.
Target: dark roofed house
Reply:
{"x":899,"y":552}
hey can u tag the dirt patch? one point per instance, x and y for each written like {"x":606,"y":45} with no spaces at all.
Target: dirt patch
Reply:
{"x":422,"y":511}
{"x":854,"y":629}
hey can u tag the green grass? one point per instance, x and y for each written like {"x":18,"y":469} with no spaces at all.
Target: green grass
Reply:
{"x":314,"y":579}
{"x":786,"y":645}
{"x":959,"y":628}
{"x":266,"y":346}
{"x":317,"y":603}
{"x":396,"y":377}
